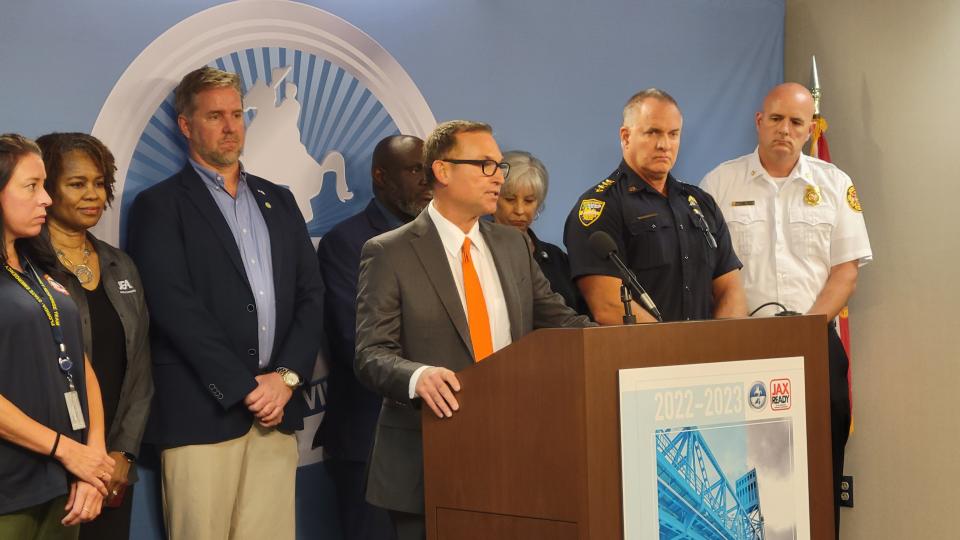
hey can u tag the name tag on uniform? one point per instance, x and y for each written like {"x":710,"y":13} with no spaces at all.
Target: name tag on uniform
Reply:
{"x":646,"y":216}
{"x":743,"y":203}
{"x":76,"y":412}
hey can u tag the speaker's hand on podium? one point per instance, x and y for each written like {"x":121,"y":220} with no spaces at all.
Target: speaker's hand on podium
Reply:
{"x":436,"y":387}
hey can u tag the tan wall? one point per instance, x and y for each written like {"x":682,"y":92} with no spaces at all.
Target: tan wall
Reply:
{"x":890,"y":73}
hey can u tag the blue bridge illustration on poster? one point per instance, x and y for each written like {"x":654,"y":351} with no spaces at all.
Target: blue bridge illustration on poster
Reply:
{"x":696,"y":499}
{"x":311,"y":126}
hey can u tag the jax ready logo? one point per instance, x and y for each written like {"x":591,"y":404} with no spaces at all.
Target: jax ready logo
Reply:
{"x":319,"y":94}
{"x":757,"y":395}
{"x":780,"y":394}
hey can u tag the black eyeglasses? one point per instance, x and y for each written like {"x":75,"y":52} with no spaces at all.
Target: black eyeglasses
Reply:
{"x":488,"y":167}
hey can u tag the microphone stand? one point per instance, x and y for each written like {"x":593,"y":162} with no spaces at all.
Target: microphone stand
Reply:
{"x":627,"y":299}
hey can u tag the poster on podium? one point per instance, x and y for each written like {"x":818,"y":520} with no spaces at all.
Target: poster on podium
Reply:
{"x":715,"y":450}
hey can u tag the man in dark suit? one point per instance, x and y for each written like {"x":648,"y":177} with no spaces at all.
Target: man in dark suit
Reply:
{"x":236,"y":303}
{"x":400,"y":192}
{"x":435,"y":296}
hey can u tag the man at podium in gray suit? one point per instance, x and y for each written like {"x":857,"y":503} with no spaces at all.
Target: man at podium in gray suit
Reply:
{"x":435,"y":296}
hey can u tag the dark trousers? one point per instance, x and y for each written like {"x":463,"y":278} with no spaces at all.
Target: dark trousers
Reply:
{"x":839,"y":413}
{"x":39,"y":522}
{"x":409,"y":526}
{"x":113,"y":523}
{"x":359,"y":520}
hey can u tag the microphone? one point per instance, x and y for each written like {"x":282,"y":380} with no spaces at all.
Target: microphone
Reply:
{"x":604,"y":247}
{"x":695,"y":208}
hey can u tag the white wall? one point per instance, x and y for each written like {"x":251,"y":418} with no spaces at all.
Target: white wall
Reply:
{"x":890,"y":71}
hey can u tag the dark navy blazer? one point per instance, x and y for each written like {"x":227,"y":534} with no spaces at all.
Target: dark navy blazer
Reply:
{"x":352,"y":410}
{"x":203,"y":316}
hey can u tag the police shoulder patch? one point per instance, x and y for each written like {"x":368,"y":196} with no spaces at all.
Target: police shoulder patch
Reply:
{"x":590,"y":211}
{"x":852,"y":200}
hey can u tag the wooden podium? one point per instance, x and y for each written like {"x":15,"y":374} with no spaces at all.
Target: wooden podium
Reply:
{"x":534,"y":452}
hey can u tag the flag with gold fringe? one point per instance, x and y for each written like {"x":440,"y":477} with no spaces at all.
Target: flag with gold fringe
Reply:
{"x":821,"y":150}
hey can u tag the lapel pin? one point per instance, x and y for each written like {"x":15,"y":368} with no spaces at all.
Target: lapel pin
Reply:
{"x":267,"y":204}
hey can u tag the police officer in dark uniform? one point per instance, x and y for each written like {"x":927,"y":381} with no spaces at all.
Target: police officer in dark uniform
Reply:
{"x":671,"y":234}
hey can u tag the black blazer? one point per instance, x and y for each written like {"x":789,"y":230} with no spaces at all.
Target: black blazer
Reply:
{"x":121,"y":282}
{"x":351,"y":409}
{"x":556,"y":267}
{"x":203,"y":316}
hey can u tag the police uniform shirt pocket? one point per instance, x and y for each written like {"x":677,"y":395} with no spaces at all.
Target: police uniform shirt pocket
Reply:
{"x":748,"y":229}
{"x":648,"y":241}
{"x":810,"y":229}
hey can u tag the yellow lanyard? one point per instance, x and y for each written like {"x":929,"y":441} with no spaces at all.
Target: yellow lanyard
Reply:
{"x":53,"y":317}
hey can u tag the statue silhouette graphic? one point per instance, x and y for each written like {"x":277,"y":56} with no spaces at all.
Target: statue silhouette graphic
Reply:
{"x":273,"y":148}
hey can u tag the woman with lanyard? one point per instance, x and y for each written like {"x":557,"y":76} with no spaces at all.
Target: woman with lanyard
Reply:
{"x":54,"y":467}
{"x":106,"y":287}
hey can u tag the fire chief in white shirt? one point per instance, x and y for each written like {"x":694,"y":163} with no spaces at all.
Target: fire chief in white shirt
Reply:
{"x":798,"y":229}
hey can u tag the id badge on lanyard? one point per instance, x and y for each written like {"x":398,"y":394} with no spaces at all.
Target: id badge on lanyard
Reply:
{"x":71,"y":396}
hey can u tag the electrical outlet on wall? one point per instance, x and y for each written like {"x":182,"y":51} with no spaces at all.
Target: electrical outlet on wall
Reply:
{"x":846,"y":491}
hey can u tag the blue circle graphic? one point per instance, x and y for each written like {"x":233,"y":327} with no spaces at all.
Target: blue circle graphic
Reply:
{"x":337,"y":113}
{"x":758,"y":395}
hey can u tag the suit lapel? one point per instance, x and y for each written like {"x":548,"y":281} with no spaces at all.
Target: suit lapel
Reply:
{"x":501,"y":259}
{"x":200,"y":196}
{"x":433,"y":257}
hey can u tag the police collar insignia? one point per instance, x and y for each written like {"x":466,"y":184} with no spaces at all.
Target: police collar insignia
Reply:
{"x":590,"y":210}
{"x":602,"y":186}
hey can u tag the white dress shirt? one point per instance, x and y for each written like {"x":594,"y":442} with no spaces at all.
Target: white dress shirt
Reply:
{"x":788,"y":236}
{"x":452,"y":238}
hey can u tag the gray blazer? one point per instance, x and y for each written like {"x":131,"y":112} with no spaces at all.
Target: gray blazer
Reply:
{"x":121,"y":281}
{"x":409,"y":314}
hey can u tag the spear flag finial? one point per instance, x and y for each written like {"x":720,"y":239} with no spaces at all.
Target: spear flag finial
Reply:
{"x":815,"y":87}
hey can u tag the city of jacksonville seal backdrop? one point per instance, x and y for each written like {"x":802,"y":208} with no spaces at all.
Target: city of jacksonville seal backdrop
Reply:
{"x":318,"y":95}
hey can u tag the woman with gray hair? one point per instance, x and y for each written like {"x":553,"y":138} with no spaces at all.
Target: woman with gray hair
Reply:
{"x":520,"y":203}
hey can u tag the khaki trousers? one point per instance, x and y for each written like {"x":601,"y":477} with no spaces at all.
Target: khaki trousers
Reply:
{"x":234,"y":490}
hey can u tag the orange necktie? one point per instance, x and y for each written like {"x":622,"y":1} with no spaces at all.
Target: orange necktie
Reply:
{"x":477,"y":317}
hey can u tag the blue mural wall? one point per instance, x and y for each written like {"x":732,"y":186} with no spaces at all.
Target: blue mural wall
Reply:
{"x":551,"y":76}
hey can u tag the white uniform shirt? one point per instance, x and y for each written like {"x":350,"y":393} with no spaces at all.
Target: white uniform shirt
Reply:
{"x":452,"y":238}
{"x":788,"y":237}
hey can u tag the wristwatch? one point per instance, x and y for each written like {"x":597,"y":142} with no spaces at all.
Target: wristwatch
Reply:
{"x":290,"y":377}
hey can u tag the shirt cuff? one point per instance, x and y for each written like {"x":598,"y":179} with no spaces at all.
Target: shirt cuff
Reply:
{"x":412,"y":388}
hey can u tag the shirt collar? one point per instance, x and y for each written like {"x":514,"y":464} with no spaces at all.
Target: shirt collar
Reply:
{"x":212,"y":178}
{"x":451,"y":236}
{"x":639,"y":184}
{"x":801,"y":171}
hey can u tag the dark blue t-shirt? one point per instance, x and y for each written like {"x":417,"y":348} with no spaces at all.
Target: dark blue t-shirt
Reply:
{"x":31,"y":379}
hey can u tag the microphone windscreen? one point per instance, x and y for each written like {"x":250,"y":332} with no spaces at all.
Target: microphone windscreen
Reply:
{"x":602,"y":244}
